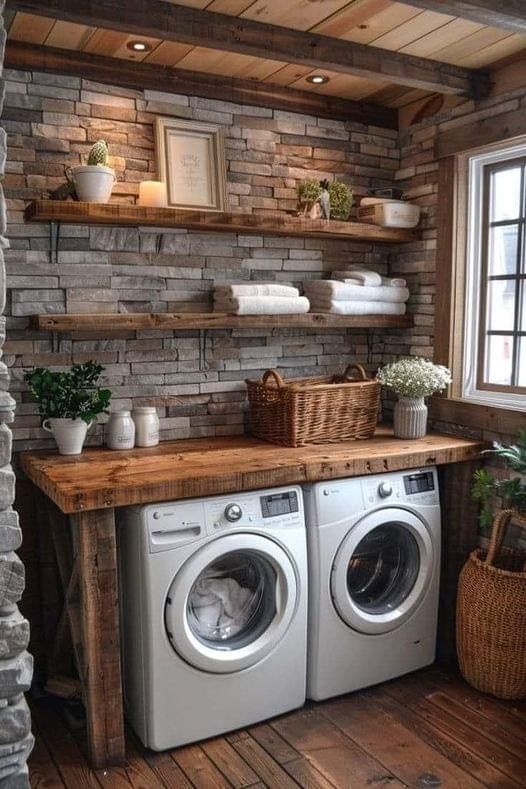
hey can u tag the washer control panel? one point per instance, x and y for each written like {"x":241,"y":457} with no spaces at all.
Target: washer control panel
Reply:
{"x":263,"y":510}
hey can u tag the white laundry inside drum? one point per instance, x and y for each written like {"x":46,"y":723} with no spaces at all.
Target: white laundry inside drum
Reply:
{"x":232,"y":602}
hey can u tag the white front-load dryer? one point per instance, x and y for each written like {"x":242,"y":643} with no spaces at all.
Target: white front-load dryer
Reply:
{"x":374,"y":571}
{"x":214,"y":613}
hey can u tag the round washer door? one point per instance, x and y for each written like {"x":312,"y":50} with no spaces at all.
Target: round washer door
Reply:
{"x":231,"y":603}
{"x":382,"y":570}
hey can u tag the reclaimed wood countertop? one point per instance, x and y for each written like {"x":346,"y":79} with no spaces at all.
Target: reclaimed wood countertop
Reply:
{"x":102,"y":478}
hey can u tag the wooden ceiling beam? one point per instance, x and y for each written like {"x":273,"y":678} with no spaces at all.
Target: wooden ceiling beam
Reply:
{"x":158,"y":19}
{"x":504,"y":14}
{"x":133,"y":74}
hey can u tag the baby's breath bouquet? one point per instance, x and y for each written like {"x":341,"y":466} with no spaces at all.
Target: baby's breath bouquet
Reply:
{"x":413,"y":379}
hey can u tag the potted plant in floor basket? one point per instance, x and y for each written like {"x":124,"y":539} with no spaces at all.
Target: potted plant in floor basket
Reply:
{"x":413,"y":379}
{"x":511,"y":491}
{"x":93,"y":181}
{"x":68,"y":402}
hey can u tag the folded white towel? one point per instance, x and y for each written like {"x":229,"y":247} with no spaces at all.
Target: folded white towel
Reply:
{"x":346,"y":291}
{"x":263,"y":305}
{"x":361,"y":308}
{"x":259,"y":289}
{"x":350,"y":275}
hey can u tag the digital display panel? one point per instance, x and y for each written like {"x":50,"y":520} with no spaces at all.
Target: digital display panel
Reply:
{"x":279,"y":504}
{"x":419,"y":483}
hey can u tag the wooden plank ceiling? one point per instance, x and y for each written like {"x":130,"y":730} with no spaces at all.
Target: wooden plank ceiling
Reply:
{"x":393,"y":26}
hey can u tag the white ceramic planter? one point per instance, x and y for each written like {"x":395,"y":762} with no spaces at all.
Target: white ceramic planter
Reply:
{"x":410,"y":417}
{"x":69,"y":434}
{"x":93,"y":183}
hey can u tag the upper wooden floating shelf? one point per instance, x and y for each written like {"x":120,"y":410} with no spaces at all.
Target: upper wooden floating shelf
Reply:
{"x":212,"y":320}
{"x":71,"y":212}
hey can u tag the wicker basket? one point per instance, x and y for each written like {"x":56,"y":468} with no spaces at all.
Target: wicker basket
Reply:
{"x":491,"y":616}
{"x":316,"y":410}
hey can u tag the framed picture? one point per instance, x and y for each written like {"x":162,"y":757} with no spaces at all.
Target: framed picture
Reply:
{"x":191,"y":162}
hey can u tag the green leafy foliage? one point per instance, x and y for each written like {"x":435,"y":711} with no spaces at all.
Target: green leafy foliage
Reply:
{"x":341,"y":197}
{"x":69,"y":395}
{"x":512,"y":491}
{"x":309,"y":191}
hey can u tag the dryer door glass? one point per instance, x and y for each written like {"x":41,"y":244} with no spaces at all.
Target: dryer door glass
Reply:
{"x":233,"y":600}
{"x":383,"y":568}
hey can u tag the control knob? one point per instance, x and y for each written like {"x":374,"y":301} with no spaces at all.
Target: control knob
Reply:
{"x":384,"y":490}
{"x":233,"y":512}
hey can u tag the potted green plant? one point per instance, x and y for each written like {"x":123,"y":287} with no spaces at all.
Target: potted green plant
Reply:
{"x":341,"y":200}
{"x":68,"y":402}
{"x":511,"y":491}
{"x":93,"y":181}
{"x":413,"y":379}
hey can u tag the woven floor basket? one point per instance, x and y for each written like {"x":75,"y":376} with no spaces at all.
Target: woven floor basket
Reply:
{"x":491,"y":615}
{"x":316,"y":410}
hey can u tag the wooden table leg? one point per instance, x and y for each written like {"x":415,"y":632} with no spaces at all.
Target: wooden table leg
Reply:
{"x":95,"y":541}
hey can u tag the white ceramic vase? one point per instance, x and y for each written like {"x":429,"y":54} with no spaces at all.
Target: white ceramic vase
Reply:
{"x":93,"y":182}
{"x":69,"y":434}
{"x":410,"y":417}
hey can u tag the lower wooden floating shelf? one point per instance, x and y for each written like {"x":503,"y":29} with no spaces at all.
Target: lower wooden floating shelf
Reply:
{"x":213,"y":320}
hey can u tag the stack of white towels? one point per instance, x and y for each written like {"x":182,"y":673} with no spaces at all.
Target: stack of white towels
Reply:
{"x":358,"y":291}
{"x":265,"y":298}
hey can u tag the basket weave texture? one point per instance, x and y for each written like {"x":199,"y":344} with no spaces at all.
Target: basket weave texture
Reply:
{"x":316,"y":410}
{"x":491,"y":615}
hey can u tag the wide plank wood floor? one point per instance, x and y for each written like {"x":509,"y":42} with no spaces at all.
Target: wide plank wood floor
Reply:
{"x":428,"y":729}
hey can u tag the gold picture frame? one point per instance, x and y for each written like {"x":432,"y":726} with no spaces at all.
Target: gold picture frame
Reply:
{"x":191,"y":162}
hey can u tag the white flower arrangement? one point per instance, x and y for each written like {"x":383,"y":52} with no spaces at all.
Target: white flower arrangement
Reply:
{"x":414,"y":377}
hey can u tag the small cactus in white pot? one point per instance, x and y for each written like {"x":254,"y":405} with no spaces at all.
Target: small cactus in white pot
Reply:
{"x":94,"y":181}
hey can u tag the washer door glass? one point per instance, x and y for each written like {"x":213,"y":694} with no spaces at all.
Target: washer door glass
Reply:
{"x":382,"y":570}
{"x":231,"y":602}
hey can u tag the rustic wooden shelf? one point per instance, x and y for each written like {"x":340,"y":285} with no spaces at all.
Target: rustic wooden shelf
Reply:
{"x":212,"y":320}
{"x":68,"y":211}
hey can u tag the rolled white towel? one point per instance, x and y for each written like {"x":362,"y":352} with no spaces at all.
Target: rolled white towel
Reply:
{"x":362,"y":275}
{"x":263,"y":305}
{"x":258,"y":289}
{"x":346,"y":291}
{"x":349,"y":276}
{"x":361,"y":308}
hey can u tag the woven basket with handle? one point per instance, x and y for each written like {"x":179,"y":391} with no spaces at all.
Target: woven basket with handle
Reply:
{"x":316,"y":410}
{"x":491,"y":615}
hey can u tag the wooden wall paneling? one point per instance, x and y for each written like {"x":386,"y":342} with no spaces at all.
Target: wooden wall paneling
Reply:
{"x":482,"y":132}
{"x":100,"y":632}
{"x":445,"y":288}
{"x":150,"y":75}
{"x":506,"y":14}
{"x":459,"y":537}
{"x":162,"y":20}
{"x":477,"y":417}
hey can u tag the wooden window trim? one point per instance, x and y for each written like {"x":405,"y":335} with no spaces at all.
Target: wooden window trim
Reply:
{"x":450,"y":307}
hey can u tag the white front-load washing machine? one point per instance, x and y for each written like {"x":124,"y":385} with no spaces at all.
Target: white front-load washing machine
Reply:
{"x":214,"y":613}
{"x":374,"y":571}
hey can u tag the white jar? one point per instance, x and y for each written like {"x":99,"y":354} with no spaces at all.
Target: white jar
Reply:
{"x":146,"y":426}
{"x":120,"y":431}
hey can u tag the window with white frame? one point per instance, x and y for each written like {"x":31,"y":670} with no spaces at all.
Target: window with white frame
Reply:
{"x":494,"y":359}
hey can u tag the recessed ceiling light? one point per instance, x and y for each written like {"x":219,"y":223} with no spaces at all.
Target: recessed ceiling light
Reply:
{"x":318,"y":79}
{"x":139,"y":46}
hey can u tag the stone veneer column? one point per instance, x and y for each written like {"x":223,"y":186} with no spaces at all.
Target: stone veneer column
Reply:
{"x":16,"y":664}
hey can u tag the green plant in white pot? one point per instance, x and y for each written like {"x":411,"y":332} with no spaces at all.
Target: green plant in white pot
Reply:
{"x":69,"y":402}
{"x":413,"y":379}
{"x":93,"y":181}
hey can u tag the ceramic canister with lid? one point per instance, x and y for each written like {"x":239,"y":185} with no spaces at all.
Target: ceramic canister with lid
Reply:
{"x":146,"y":426}
{"x":120,"y":431}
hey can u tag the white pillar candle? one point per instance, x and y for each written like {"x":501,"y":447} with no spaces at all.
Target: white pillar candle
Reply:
{"x":152,"y":193}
